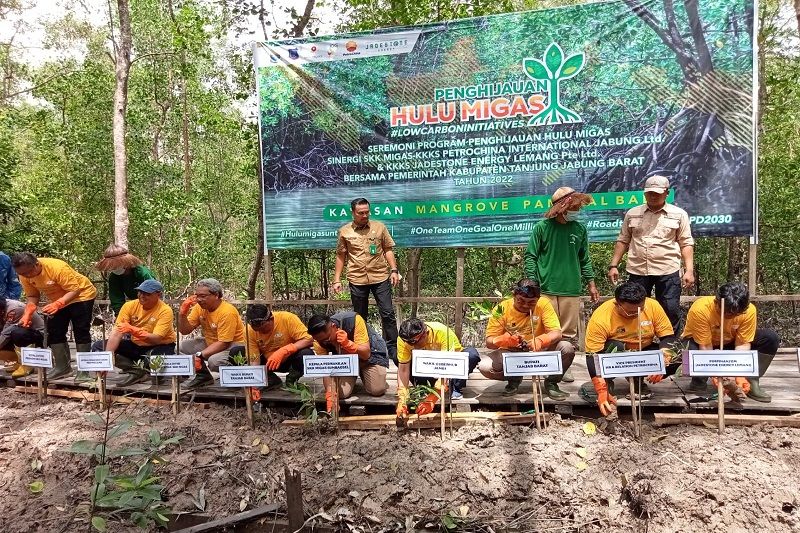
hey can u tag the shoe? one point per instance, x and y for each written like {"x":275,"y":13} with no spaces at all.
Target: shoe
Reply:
{"x":567,"y":377}
{"x":273,"y":380}
{"x":643,"y":393}
{"x":131,"y":377}
{"x":756,"y":392}
{"x":200,"y":379}
{"x":83,"y":377}
{"x":456,"y":395}
{"x":699,"y":385}
{"x":553,"y":392}
{"x":293,"y":377}
{"x":512,"y":386}
{"x":61,"y":365}
{"x":21,"y":371}
{"x":11,"y":367}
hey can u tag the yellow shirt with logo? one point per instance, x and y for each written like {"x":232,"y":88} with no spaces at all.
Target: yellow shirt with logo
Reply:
{"x":607,"y":324}
{"x":288,"y":328}
{"x":506,"y":319}
{"x":440,"y":338}
{"x":157,"y":320}
{"x":222,"y":324}
{"x":57,"y":279}
{"x":360,"y":336}
{"x":702,"y":324}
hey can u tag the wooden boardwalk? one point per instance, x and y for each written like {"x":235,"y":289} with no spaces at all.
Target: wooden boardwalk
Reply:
{"x":782,"y":382}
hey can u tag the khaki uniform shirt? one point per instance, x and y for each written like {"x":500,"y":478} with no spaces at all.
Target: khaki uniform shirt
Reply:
{"x":365,"y":250}
{"x":655,"y":239}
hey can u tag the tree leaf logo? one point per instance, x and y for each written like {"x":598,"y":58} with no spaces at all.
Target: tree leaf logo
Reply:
{"x":553,"y":68}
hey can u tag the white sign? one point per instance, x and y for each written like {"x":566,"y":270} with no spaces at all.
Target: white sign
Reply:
{"x":717,"y":363}
{"x":38,"y":357}
{"x":95,"y":361}
{"x":630,"y":364}
{"x":433,"y":364}
{"x":174,"y":365}
{"x":242,"y":376}
{"x":330,"y":365}
{"x":532,"y":364}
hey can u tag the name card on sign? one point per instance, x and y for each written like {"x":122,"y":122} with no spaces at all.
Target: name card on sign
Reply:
{"x":433,"y":364}
{"x":95,"y":361}
{"x":716,"y":363}
{"x":630,"y":364}
{"x":330,"y":365}
{"x":242,"y":376}
{"x":174,"y":365}
{"x":38,"y":357}
{"x":532,"y":364}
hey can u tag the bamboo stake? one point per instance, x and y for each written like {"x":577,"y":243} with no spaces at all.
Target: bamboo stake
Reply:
{"x":535,"y":381}
{"x":176,"y":395}
{"x":248,"y":401}
{"x":442,"y":388}
{"x":720,"y":397}
{"x":450,"y":415}
{"x":101,"y":386}
{"x":639,"y":399}
{"x":41,"y":376}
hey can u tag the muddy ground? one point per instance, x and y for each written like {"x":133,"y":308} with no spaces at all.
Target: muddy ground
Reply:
{"x":487,"y":478}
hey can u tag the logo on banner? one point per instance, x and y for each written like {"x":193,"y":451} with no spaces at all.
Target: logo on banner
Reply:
{"x":294,"y":53}
{"x":351,"y":46}
{"x":553,"y":69}
{"x":332,"y":49}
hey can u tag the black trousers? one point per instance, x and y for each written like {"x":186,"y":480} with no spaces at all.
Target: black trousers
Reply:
{"x":293,"y":363}
{"x":19,"y":336}
{"x":128,"y":352}
{"x":79,"y":314}
{"x":359,"y":296}
{"x":668,"y":294}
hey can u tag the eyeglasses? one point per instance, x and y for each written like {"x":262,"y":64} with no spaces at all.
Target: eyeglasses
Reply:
{"x":258,"y":321}
{"x":625,"y":313}
{"x":527,"y":291}
{"x":414,"y":340}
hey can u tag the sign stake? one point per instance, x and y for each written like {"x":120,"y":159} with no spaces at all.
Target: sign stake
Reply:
{"x":176,"y":395}
{"x":535,"y":381}
{"x":442,"y":389}
{"x":41,"y":377}
{"x":720,"y":397}
{"x":248,"y":401}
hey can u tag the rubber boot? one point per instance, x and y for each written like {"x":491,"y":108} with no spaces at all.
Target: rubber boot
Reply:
{"x":134,"y":375}
{"x":568,"y":377}
{"x":293,"y":377}
{"x":21,"y":371}
{"x":552,"y":390}
{"x":698,"y":385}
{"x":201,"y":378}
{"x":83,"y":376}
{"x":61,"y":366}
{"x":273,"y":381}
{"x":756,"y":392}
{"x":512,"y":386}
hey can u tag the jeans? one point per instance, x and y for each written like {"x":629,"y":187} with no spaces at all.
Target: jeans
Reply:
{"x":668,"y":294}
{"x":128,"y":352}
{"x":359,"y":296}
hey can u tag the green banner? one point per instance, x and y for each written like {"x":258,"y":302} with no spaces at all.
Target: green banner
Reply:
{"x":459,"y":132}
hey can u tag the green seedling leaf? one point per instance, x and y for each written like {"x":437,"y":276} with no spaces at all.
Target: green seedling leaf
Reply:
{"x":88,"y":447}
{"x":36,"y":487}
{"x":100,"y":474}
{"x":553,"y":57}
{"x":448,"y":522}
{"x":571,"y":66}
{"x":119,"y":429}
{"x":96,"y":419}
{"x":535,"y":69}
{"x":99,"y":523}
{"x":154,"y":437}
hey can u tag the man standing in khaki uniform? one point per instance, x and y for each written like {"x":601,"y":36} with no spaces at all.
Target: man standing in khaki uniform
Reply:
{"x":367,"y":248}
{"x":657,"y":236}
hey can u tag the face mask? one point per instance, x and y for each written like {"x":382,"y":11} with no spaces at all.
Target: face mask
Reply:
{"x":571,"y":216}
{"x":118,"y":271}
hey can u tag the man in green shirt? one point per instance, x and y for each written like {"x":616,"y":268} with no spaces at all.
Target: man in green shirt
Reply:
{"x":125,"y":273}
{"x":558,"y":258}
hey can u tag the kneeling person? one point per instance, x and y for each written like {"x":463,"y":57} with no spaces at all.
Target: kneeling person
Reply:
{"x":277,"y":340}
{"x":702,"y":332}
{"x":613,"y":328}
{"x":143,"y":328}
{"x":346,"y":333}
{"x":14,"y":335}
{"x":526,"y":322}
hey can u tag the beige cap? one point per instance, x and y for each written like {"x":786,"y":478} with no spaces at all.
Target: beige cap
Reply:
{"x":562,"y":192}
{"x":658,"y":184}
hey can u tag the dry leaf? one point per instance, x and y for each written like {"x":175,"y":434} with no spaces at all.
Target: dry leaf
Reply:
{"x":36,"y":465}
{"x":366,"y":468}
{"x":464,"y":510}
{"x":318,"y":467}
{"x":336,"y":457}
{"x":264,"y":449}
{"x":354,"y":494}
{"x":242,"y":505}
{"x":709,"y":425}
{"x":373,"y":519}
{"x":256,"y":441}
{"x":581,"y":453}
{"x":581,"y":466}
{"x":589,"y":428}
{"x":658,"y":438}
{"x":339,"y":474}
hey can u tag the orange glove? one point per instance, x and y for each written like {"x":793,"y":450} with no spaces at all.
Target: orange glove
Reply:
{"x":276,"y":358}
{"x":255,"y":394}
{"x":198,"y":363}
{"x":27,"y":316}
{"x":346,"y":344}
{"x":426,"y":406}
{"x":604,"y":399}
{"x":507,"y":340}
{"x":329,"y":403}
{"x":655,"y":378}
{"x":402,"y":401}
{"x":187,"y":304}
{"x":53,"y":308}
{"x":137,"y":333}
{"x":744,"y":384}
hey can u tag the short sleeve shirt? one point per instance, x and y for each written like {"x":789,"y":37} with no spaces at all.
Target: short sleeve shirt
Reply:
{"x":440,"y":338}
{"x":56,"y":279}
{"x":655,"y":239}
{"x":222,"y":324}
{"x":506,"y":319}
{"x":607,"y":324}
{"x":702,"y":324}
{"x":158,"y":320}
{"x":288,"y":328}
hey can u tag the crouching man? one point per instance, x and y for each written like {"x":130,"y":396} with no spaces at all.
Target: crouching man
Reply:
{"x":348,"y":333}
{"x":526,"y":322}
{"x":616,"y":326}
{"x":144,"y":327}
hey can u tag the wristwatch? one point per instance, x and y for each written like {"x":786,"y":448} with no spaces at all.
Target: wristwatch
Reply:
{"x":612,"y":266}
{"x":395,"y":271}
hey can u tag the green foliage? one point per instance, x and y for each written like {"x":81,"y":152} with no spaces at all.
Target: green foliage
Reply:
{"x":308,"y":401}
{"x":417,"y":394}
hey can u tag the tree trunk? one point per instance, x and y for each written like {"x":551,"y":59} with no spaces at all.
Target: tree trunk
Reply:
{"x":256,"y":269}
{"x":122,"y":73}
{"x":414,"y":257}
{"x":797,"y":14}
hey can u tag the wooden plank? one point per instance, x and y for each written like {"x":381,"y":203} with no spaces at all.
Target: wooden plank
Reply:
{"x":294,"y":498}
{"x":94,"y":397}
{"x":430,"y":421}
{"x":228,"y":521}
{"x":669,"y":419}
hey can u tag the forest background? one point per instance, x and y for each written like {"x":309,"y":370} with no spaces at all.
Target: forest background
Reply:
{"x":188,"y":180}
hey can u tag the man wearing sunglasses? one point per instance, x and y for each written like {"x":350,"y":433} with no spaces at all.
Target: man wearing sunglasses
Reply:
{"x":616,"y":325}
{"x":702,"y":332}
{"x":418,"y":335}
{"x":526,"y":322}
{"x":277,"y":340}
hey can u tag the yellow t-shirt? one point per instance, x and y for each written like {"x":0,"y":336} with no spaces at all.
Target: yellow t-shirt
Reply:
{"x":606,"y":324}
{"x":360,"y":336}
{"x":157,"y":320}
{"x":222,"y":324}
{"x":288,"y":328}
{"x":702,"y":324}
{"x":440,"y":338}
{"x":57,"y":279}
{"x":506,"y":319}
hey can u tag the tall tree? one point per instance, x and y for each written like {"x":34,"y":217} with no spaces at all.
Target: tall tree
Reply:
{"x":122,"y":63}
